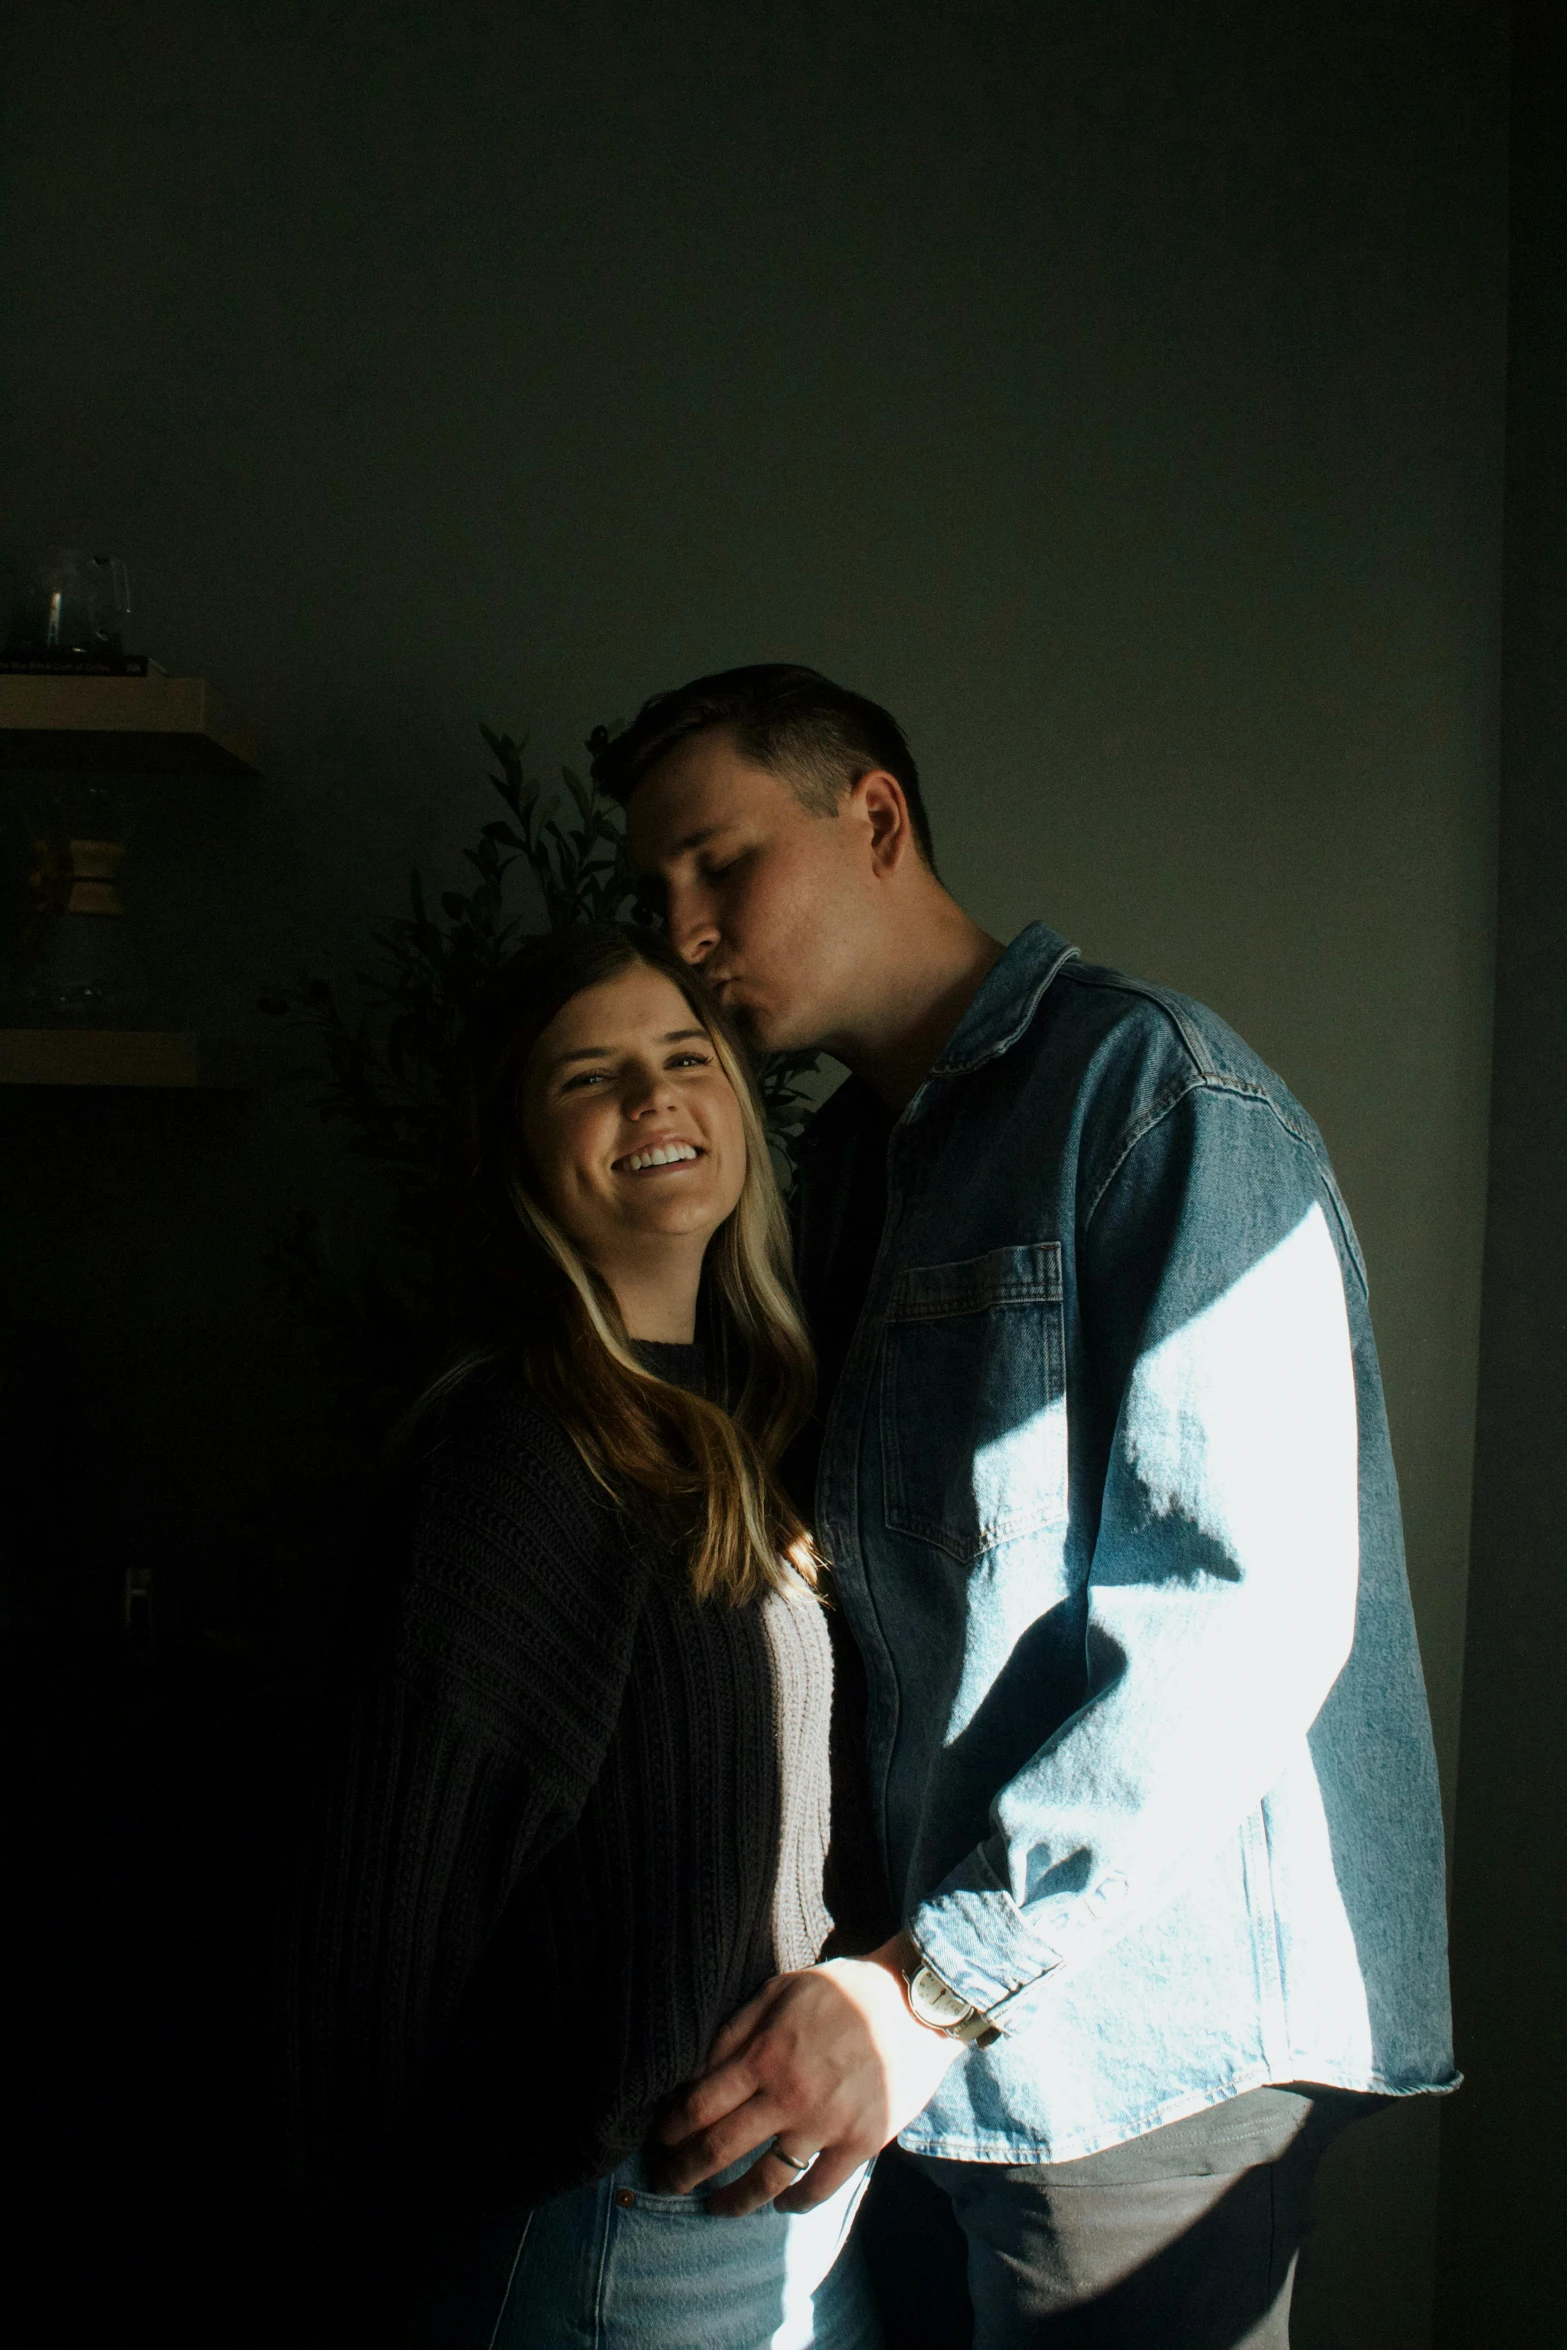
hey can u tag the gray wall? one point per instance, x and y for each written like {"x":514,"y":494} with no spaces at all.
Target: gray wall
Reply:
{"x":1114,"y":392}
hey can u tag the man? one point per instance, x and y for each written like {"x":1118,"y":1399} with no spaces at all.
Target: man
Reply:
{"x":1106,"y":1488}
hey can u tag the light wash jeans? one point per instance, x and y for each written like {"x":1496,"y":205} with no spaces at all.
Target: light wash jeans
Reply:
{"x":613,"y":2266}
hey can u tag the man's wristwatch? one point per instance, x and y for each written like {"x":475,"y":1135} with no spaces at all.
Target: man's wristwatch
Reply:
{"x":942,"y":2010}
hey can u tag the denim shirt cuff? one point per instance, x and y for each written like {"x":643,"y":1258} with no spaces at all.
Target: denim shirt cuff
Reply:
{"x":976,"y":1939}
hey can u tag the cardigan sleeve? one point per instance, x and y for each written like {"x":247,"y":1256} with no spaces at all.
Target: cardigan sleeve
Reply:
{"x":467,"y":1752}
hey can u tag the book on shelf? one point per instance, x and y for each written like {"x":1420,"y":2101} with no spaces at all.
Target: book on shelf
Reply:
{"x":80,"y":665}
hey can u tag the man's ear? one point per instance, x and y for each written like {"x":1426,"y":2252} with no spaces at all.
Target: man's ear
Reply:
{"x":878,"y":799}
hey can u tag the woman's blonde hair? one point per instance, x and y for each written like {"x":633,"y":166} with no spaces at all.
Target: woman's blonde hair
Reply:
{"x":704,"y":1466}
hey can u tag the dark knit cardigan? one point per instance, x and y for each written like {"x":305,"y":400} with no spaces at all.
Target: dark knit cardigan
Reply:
{"x":572,"y":1822}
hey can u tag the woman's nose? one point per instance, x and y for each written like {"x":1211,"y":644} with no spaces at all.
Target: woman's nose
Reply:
{"x":647,"y":1090}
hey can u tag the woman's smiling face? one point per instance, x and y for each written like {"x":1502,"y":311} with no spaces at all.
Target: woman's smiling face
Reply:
{"x":633,"y":1129}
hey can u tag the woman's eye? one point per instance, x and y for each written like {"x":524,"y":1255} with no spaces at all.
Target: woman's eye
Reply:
{"x":691,"y":1061}
{"x":587,"y":1077}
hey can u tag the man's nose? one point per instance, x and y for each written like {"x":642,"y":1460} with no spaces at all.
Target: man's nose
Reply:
{"x":693,"y":933}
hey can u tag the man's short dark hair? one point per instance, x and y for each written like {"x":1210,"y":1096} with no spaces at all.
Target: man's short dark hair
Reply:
{"x":815,"y":736}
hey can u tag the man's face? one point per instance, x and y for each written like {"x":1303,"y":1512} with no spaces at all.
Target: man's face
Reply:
{"x":767,"y":898}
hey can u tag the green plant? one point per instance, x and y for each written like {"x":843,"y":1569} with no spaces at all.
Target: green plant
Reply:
{"x":385,"y":1070}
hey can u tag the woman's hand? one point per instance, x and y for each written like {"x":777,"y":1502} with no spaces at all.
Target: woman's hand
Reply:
{"x":829,"y":2061}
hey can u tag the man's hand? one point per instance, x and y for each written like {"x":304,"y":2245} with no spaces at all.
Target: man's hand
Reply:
{"x":830,"y":2061}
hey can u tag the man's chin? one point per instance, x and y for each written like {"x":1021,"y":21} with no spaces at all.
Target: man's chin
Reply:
{"x":766,"y":1030}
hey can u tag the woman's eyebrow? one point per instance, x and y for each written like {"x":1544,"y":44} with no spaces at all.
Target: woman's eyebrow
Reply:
{"x":604,"y":1052}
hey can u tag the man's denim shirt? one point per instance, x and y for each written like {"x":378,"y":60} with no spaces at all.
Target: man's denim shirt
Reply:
{"x":1107,"y":1488}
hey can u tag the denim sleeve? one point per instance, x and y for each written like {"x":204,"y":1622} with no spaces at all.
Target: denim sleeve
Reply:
{"x":1217,"y":1376}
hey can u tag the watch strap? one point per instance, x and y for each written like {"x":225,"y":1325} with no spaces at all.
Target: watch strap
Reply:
{"x":939,"y":2008}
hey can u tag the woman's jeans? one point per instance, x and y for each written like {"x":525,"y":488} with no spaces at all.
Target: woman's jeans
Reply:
{"x":613,"y":2266}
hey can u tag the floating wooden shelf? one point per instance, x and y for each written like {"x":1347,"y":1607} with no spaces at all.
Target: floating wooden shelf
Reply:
{"x":125,"y":1056}
{"x":120,"y":725}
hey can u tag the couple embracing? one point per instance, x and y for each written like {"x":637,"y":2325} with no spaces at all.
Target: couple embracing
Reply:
{"x":889,"y":1800}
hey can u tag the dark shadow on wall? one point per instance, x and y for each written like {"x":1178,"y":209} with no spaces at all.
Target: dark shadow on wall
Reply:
{"x":158,"y":1670}
{"x":1502,"y":2263}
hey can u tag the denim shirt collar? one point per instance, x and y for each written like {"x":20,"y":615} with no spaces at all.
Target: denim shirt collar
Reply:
{"x":1007,"y":1000}
{"x":1000,"y":1013}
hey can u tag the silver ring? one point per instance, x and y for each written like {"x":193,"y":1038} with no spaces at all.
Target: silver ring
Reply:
{"x":790,"y":2160}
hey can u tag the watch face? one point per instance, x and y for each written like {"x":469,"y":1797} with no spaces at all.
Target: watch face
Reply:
{"x":933,"y":2003}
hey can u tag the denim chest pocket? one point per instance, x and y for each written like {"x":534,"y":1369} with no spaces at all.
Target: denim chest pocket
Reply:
{"x":973,"y":1400}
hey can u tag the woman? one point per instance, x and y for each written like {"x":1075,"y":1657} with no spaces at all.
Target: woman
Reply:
{"x":579,"y":1814}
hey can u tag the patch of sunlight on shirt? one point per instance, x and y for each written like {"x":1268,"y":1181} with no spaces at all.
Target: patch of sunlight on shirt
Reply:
{"x":1243,"y":1422}
{"x":1016,"y":1583}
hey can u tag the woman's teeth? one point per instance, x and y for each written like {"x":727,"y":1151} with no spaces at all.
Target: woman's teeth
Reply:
{"x":663,"y":1154}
